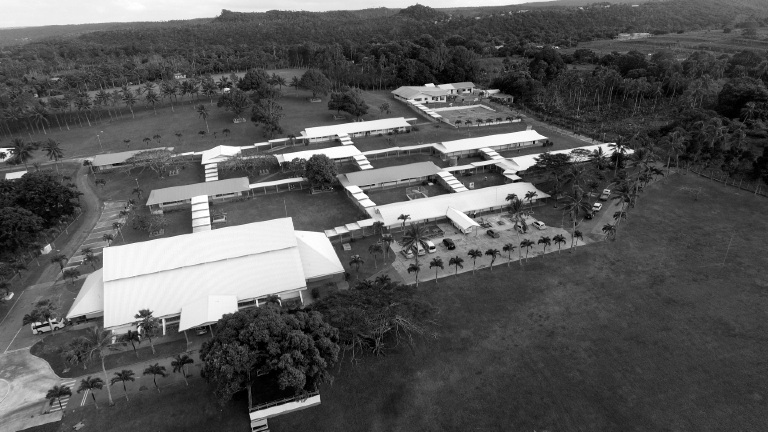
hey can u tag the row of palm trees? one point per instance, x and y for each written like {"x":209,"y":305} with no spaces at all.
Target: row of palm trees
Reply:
{"x":468,"y":122}
{"x":22,"y":151}
{"x":91,"y":384}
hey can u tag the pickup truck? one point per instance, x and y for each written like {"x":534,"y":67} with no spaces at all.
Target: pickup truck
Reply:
{"x":604,"y":196}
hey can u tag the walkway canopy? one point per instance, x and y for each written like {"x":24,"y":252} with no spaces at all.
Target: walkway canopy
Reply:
{"x":90,"y":298}
{"x":206,"y":310}
{"x":461,"y":220}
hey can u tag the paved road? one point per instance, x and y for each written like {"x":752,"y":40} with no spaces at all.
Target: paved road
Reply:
{"x":28,"y":378}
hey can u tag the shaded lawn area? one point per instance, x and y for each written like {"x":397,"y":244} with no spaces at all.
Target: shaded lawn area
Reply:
{"x":644,"y":333}
{"x":50,"y":349}
{"x":120,"y":185}
{"x":177,"y":408}
{"x":179,"y":222}
{"x":393,"y":195}
{"x":309,"y":212}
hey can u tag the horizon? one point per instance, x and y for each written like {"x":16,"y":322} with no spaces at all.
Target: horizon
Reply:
{"x":81,"y":12}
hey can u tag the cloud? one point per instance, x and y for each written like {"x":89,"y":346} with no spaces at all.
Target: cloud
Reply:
{"x":132,"y":6}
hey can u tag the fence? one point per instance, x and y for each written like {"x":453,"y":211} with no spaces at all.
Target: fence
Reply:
{"x":724,"y":178}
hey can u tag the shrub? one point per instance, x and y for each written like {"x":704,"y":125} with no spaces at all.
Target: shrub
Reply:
{"x":315,"y":292}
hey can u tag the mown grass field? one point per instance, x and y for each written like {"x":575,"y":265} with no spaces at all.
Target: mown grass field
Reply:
{"x":648,"y":332}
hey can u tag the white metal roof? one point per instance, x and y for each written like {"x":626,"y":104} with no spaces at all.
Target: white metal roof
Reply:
{"x":340,"y":152}
{"x":522,"y":163}
{"x":90,"y":298}
{"x":459,"y":218}
{"x":388,"y":174}
{"x":353,"y":189}
{"x":185,"y":192}
{"x":277,"y":182}
{"x":15,"y":175}
{"x":116,"y":158}
{"x":488,"y":141}
{"x":219,"y":154}
{"x":206,"y":310}
{"x":353,"y":128}
{"x":436,"y":206}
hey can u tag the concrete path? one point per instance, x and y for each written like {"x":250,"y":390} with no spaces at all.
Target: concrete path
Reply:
{"x":28,"y":379}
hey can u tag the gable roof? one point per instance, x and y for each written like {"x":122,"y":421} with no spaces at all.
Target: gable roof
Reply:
{"x":388,"y":174}
{"x":339,"y":152}
{"x":116,"y":158}
{"x":489,"y":141}
{"x":355,"y":127}
{"x":185,"y":192}
{"x":409,"y":92}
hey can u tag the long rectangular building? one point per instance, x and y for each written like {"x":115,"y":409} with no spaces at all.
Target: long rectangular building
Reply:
{"x":180,"y":195}
{"x":363,"y":128}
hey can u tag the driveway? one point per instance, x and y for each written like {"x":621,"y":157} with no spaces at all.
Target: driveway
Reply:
{"x":479,"y":240}
{"x":24,"y":381}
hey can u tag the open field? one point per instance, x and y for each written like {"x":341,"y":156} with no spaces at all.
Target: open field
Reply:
{"x":682,"y":44}
{"x":649,"y":332}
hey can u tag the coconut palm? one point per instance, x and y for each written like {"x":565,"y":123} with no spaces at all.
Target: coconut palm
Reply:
{"x":179,"y":364}
{"x":493,"y":253}
{"x":546,"y":241}
{"x":356,"y":261}
{"x":518,"y":218}
{"x":619,"y":149}
{"x":474,"y":254}
{"x":155,"y":370}
{"x":129,"y":99}
{"x":415,"y":268}
{"x":508,"y":248}
{"x":148,"y":324}
{"x":378,"y":226}
{"x":575,"y":238}
{"x":374,"y":250}
{"x":59,"y":259}
{"x":138,"y":191}
{"x":559,"y":240}
{"x":151,"y":98}
{"x":117,"y":226}
{"x":122,"y":376}
{"x":71,"y":275}
{"x":530,"y":195}
{"x":58,"y":392}
{"x":99,"y":341}
{"x":458,"y":262}
{"x":415,"y":237}
{"x":133,"y":338}
{"x":202,"y":112}
{"x":610,"y":231}
{"x":146,"y":141}
{"x":527,"y":244}
{"x":90,"y":384}
{"x":436,"y":263}
{"x":387,"y":239}
{"x":22,"y":151}
{"x":383,"y":280}
{"x":53,"y":151}
{"x":403,"y":217}
{"x":108,"y":237}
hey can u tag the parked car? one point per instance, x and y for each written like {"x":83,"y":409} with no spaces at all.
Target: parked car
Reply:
{"x":540,"y":225}
{"x":201,"y":331}
{"x":493,"y":234}
{"x":604,"y":196}
{"x":421,"y":250}
{"x":408,"y":253}
{"x":589,"y":215}
{"x":431,"y":248}
{"x":597,"y":207}
{"x":44,"y":327}
{"x":449,"y":244}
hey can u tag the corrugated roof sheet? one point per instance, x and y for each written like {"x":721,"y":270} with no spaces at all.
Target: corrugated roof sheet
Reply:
{"x":90,"y":298}
{"x":219,"y":154}
{"x":388,"y":174}
{"x":15,"y":175}
{"x":340,"y":152}
{"x":459,"y":218}
{"x":522,"y":163}
{"x":185,"y":192}
{"x":116,"y":158}
{"x":489,"y":141}
{"x":409,"y":92}
{"x":206,"y":310}
{"x":356,"y":127}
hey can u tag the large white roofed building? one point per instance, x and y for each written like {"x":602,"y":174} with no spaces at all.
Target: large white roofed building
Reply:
{"x":356,"y":129}
{"x":249,"y":262}
{"x":470,"y":146}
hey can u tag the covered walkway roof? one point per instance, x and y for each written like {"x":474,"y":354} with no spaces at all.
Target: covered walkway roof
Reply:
{"x":185,"y":192}
{"x":489,"y":141}
{"x":118,"y":158}
{"x":354,"y":128}
{"x":461,"y":220}
{"x":333,"y":153}
{"x":389,"y":174}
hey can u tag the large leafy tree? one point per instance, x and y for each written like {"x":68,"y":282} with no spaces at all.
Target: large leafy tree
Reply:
{"x":42,"y":194}
{"x":320,"y":171}
{"x":316,"y":82}
{"x":254,"y":79}
{"x":236,"y":101}
{"x":18,"y":228}
{"x":350,"y":101}
{"x":268,"y":113}
{"x":299,"y":347}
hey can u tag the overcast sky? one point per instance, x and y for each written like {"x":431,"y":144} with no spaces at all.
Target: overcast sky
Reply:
{"x":17,"y":13}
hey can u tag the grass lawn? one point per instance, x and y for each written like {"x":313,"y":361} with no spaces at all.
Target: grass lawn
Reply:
{"x":309,"y":212}
{"x":398,"y":194}
{"x":120,"y":185}
{"x":648,"y":332}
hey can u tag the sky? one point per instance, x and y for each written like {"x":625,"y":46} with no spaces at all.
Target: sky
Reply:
{"x":15,"y":13}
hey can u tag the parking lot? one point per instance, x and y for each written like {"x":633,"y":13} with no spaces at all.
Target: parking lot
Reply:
{"x":478,"y":240}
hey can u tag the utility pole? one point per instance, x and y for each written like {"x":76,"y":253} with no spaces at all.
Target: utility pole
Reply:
{"x":727,"y":249}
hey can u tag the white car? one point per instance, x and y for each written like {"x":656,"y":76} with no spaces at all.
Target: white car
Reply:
{"x":44,"y":327}
{"x":540,"y":225}
{"x":408,"y":253}
{"x":597,"y":207}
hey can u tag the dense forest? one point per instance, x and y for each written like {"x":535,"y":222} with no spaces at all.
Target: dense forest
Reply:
{"x":711,"y":106}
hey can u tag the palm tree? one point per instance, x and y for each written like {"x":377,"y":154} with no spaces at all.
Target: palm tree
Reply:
{"x":619,"y":148}
{"x":456,"y":261}
{"x":356,"y":261}
{"x":403,"y":217}
{"x":53,"y":151}
{"x":179,"y":363}
{"x":374,"y":250}
{"x":575,"y":238}
{"x":202,"y":111}
{"x":156,"y":370}
{"x":138,"y":191}
{"x":387,"y":239}
{"x":90,"y":384}
{"x":527,"y":244}
{"x":108,"y":237}
{"x":559,"y":240}
{"x":148,"y":324}
{"x":99,"y":340}
{"x":383,"y":280}
{"x":71,"y":275}
{"x":474,"y":254}
{"x":122,"y":376}
{"x":493,"y":253}
{"x":530,"y":195}
{"x":609,"y":231}
{"x":546,"y":241}
{"x":59,"y":259}
{"x":414,"y":238}
{"x":22,"y":151}
{"x":58,"y":392}
{"x":151,"y":98}
{"x":508,"y":248}
{"x":378,"y":226}
{"x":129,"y":100}
{"x":119,"y":228}
{"x":146,"y":141}
{"x":437,"y":263}
{"x":518,"y":217}
{"x":131,"y":337}
{"x":415,"y":268}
